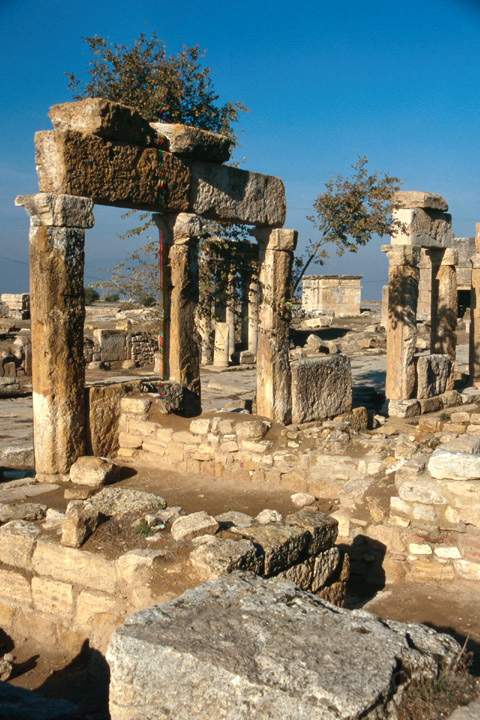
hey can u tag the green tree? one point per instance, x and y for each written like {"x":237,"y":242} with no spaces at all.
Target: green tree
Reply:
{"x":91,"y":295}
{"x":170,"y":88}
{"x":349,"y":212}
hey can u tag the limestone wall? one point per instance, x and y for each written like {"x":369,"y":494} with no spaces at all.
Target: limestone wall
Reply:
{"x":112,"y":345}
{"x":15,"y":305}
{"x":65,"y":595}
{"x":337,"y":294}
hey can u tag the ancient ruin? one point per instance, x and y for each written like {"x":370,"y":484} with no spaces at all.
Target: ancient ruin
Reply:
{"x":206,"y":513}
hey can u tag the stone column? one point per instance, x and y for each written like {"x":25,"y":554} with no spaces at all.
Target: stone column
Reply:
{"x":253,"y":313}
{"x":230,"y":311}
{"x":184,"y":352}
{"x":403,"y":276}
{"x":273,"y":366}
{"x":165,"y":289}
{"x":424,"y":309}
{"x":221,"y":351}
{"x":474,"y":339}
{"x":444,"y":309}
{"x":57,"y":239}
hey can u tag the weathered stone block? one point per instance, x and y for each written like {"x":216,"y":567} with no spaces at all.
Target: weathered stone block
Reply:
{"x":112,"y":343}
{"x":81,"y":520}
{"x":15,"y":587}
{"x":58,"y":210}
{"x":193,"y":142}
{"x":417,"y":199}
{"x":111,"y":173}
{"x":74,"y":566}
{"x":105,"y":118}
{"x":403,"y":408}
{"x":422,"y":228}
{"x":433,"y":373}
{"x":91,"y":471}
{"x":91,"y":605}
{"x":174,"y":660}
{"x":323,"y":528}
{"x":193,"y":525}
{"x":219,"y":557}
{"x":225,"y":193}
{"x":136,"y":405}
{"x":17,"y":541}
{"x":52,"y":597}
{"x":321,"y":388}
{"x":283,"y":545}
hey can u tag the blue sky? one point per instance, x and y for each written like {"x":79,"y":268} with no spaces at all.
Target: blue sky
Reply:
{"x":325,"y":82}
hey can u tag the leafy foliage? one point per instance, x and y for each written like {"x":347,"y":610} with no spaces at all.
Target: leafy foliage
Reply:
{"x":170,"y":88}
{"x":91,"y":295}
{"x":349,"y":213}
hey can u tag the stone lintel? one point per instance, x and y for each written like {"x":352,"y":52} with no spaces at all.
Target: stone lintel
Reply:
{"x":149,"y":178}
{"x":410,"y":199}
{"x":53,"y":210}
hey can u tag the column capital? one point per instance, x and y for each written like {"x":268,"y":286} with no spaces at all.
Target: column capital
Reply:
{"x":402,"y":254}
{"x":276,"y":238}
{"x":49,"y":209}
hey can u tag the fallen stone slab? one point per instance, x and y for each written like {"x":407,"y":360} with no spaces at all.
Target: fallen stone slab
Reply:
{"x":114,"y":502}
{"x":220,"y":557}
{"x":282,"y":545}
{"x":22,"y":511}
{"x":233,"y":518}
{"x":187,"y":527}
{"x":91,"y":471}
{"x":242,"y":647}
{"x":15,"y":456}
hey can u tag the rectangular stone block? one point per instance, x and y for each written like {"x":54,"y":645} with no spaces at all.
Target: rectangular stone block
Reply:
{"x":282,"y":545}
{"x":90,"y":605}
{"x":116,"y":173}
{"x":323,"y":529}
{"x":105,"y":118}
{"x":194,"y":142}
{"x":111,"y":173}
{"x":50,"y":596}
{"x":17,"y":540}
{"x":417,"y":199}
{"x":321,"y":388}
{"x":233,"y":195}
{"x":58,"y":210}
{"x":433,"y":373}
{"x":15,"y":587}
{"x":74,"y":566}
{"x":422,"y":228}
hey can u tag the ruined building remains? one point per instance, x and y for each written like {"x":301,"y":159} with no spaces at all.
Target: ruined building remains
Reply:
{"x":339,"y":295}
{"x":105,"y":153}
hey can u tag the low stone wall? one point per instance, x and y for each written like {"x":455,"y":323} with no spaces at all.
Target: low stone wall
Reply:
{"x":430,"y":529}
{"x":228,"y":443}
{"x":65,"y":595}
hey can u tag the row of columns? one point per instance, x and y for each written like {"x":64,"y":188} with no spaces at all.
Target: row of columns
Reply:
{"x":403,"y":296}
{"x":57,"y":242}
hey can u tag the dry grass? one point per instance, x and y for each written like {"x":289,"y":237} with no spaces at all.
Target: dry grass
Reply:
{"x":436,"y":701}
